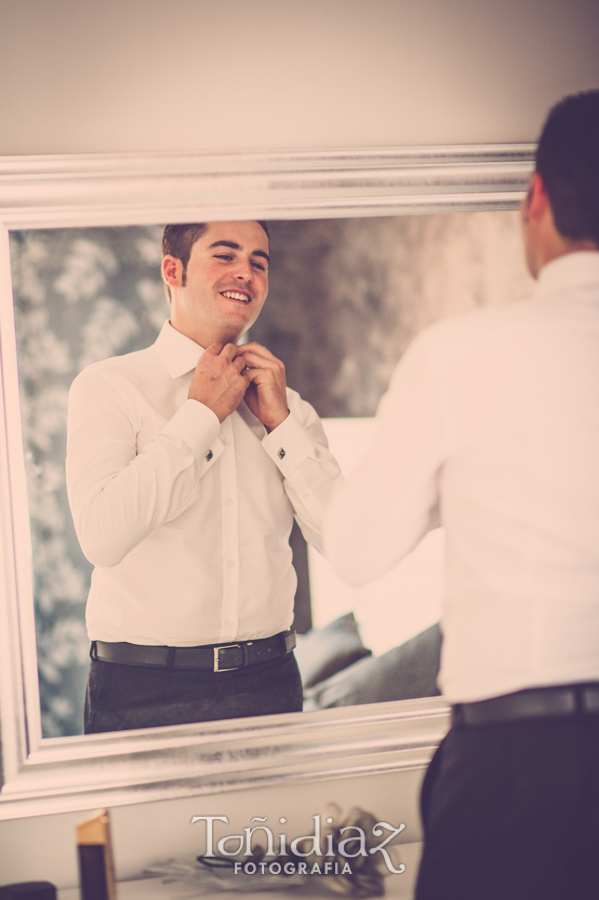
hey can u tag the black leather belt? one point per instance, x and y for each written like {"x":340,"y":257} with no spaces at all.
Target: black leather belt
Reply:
{"x":536,"y":703}
{"x":217,"y":657}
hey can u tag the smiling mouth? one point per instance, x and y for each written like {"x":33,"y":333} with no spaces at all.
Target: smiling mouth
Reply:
{"x":236,"y":295}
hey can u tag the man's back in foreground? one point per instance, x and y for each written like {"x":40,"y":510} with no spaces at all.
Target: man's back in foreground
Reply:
{"x":491,"y":428}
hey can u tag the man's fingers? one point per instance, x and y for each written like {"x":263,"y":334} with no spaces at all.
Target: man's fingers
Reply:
{"x":257,"y":361}
{"x":254,"y":346}
{"x":229,"y":351}
{"x":257,"y":350}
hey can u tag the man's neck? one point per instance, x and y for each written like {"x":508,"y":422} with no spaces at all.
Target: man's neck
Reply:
{"x":202,"y":336}
{"x":563,"y":248}
{"x":549,"y":244}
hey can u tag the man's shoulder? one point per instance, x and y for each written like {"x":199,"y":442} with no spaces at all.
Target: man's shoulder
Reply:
{"x":491,"y":323}
{"x":119,"y":372}
{"x":126,"y":365}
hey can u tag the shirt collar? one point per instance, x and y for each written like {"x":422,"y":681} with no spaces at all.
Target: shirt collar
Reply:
{"x":178,"y":353}
{"x":573,"y":270}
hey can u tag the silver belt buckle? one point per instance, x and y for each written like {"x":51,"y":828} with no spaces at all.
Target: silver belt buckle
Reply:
{"x":216,"y":658}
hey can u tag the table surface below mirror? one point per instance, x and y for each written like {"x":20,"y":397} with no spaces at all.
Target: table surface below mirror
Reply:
{"x":397,"y":887}
{"x":153,"y":889}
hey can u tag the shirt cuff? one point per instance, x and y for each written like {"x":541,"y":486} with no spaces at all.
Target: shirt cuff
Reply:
{"x":288,"y":445}
{"x":198,"y":426}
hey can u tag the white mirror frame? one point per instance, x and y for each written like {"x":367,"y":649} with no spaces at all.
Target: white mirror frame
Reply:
{"x":61,"y":774}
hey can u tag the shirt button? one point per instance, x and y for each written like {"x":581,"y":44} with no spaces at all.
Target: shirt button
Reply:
{"x":230,"y":563}
{"x":226,"y":442}
{"x":230,"y":501}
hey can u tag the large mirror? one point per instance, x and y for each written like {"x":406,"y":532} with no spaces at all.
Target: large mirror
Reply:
{"x":367,"y":249}
{"x":347,"y":296}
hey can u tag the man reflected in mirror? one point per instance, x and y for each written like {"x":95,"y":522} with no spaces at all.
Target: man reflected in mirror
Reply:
{"x":186,"y":465}
{"x":491,"y":427}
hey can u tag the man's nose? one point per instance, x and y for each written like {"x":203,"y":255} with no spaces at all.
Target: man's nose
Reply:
{"x":244,"y":270}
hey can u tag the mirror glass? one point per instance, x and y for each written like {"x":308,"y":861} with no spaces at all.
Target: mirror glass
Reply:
{"x":346,"y":297}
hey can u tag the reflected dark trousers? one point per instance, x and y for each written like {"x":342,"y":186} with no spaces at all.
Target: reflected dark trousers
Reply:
{"x":511,"y":812}
{"x":120,"y":697}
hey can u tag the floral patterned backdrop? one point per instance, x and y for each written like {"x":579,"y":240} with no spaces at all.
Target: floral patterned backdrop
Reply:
{"x":346,"y":297}
{"x":80,"y":295}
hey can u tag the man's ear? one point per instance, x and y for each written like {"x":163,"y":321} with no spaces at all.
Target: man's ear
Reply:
{"x":538,"y":199}
{"x":172,"y":271}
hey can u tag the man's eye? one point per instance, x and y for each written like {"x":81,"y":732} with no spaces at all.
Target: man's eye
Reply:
{"x":257,"y":265}
{"x":223,"y":256}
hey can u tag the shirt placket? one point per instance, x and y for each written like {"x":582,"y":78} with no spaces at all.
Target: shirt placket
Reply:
{"x":230,"y":527}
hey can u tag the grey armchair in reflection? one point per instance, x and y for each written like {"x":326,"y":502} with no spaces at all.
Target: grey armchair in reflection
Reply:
{"x":346,"y":297}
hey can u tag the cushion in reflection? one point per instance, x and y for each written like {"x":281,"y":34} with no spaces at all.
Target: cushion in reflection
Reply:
{"x":324,"y":651}
{"x":403,"y":673}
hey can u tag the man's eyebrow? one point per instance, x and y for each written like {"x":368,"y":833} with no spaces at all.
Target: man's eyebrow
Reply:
{"x":235,"y":246}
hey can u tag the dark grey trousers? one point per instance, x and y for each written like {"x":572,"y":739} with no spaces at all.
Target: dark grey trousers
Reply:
{"x":120,"y":697}
{"x":512,"y":811}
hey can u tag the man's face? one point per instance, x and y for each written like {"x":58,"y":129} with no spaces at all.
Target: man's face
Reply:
{"x":226,"y":283}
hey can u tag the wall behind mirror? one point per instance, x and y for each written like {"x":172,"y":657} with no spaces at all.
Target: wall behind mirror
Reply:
{"x":346,"y":297}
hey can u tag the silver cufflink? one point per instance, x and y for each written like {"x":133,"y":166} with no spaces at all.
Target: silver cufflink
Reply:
{"x":209,"y":456}
{"x":281,"y":453}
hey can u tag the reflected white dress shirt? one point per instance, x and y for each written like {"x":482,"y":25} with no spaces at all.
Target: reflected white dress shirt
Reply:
{"x":491,"y":428}
{"x":187,"y":520}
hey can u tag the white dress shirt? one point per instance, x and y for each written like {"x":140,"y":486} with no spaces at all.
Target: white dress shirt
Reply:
{"x":490,"y":427}
{"x":187,"y":520}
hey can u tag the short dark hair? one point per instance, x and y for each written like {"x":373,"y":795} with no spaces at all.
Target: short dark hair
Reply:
{"x":177,"y":241}
{"x":567,"y":160}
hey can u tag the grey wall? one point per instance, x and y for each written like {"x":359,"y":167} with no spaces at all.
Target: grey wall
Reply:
{"x":237,"y":75}
{"x":348,"y":295}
